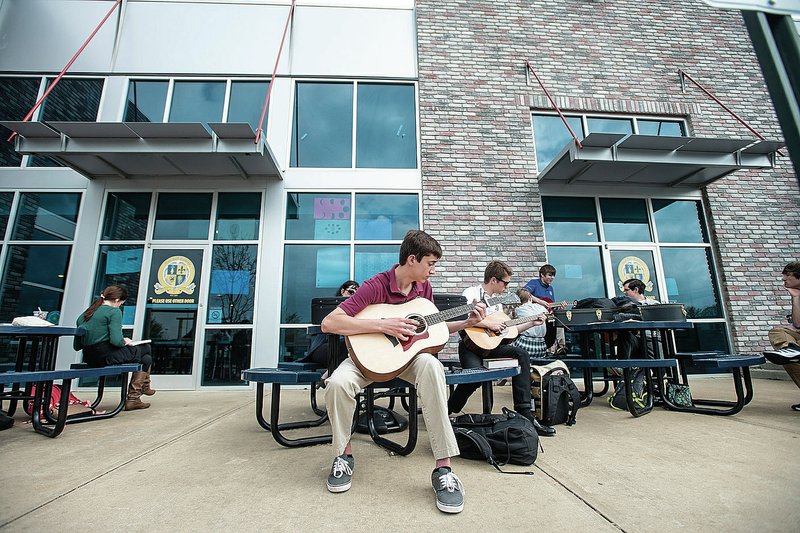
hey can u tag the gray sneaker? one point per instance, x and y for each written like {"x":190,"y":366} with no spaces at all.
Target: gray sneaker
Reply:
{"x":449,"y":490}
{"x":341,"y":474}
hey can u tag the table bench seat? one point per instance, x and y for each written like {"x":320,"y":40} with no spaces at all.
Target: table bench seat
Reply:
{"x":43,"y":379}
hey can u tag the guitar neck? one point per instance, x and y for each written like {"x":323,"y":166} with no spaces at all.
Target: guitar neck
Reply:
{"x":520,"y":320}
{"x":443,"y":316}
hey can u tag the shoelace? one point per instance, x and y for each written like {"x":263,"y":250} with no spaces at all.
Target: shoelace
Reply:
{"x":450,"y":483}
{"x":340,"y":466}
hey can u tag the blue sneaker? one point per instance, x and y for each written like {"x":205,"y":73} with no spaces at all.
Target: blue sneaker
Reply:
{"x":449,"y":490}
{"x":341,"y":476}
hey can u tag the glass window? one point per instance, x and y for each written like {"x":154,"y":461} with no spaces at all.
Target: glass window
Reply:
{"x":17,"y":97}
{"x":6,"y":199}
{"x":665,"y":128}
{"x":579,"y":272}
{"x":318,"y":216}
{"x":182,"y":216}
{"x":197,"y":101}
{"x":231,"y":296}
{"x":551,"y":136}
{"x":46,"y":216}
{"x":120,"y":265}
{"x":322,"y":129}
{"x":386,"y":128}
{"x":609,"y":125}
{"x":227,"y":353}
{"x":679,"y":221}
{"x":72,"y":100}
{"x":705,"y":336}
{"x":126,"y":216}
{"x":625,"y":220}
{"x":570,"y":219}
{"x":33,"y":278}
{"x":238,"y":214}
{"x":146,"y":101}
{"x":247,"y":102}
{"x":294,"y":344}
{"x":371,"y":259}
{"x":311,"y":271}
{"x":386,"y":216}
{"x":689,"y":279}
{"x":638,"y":264}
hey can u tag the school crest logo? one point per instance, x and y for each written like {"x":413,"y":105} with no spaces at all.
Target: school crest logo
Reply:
{"x":634,"y":267}
{"x":175,"y":276}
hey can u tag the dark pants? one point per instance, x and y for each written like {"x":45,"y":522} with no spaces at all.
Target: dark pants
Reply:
{"x":630,"y":344}
{"x":520,"y":384}
{"x":105,"y":353}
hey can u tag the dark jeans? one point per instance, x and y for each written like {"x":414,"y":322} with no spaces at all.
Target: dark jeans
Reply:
{"x":105,"y":353}
{"x":630,"y":344}
{"x":520,"y":384}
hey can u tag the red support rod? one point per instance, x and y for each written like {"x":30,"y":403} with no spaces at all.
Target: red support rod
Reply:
{"x":274,"y":72}
{"x":64,"y":70}
{"x":560,"y":114}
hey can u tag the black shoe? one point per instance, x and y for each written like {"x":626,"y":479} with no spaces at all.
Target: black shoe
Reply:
{"x":541,"y":429}
{"x":782,"y":356}
{"x":796,"y":407}
{"x":5,"y":421}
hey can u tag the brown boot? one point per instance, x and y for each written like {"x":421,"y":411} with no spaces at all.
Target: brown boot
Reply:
{"x":133,"y":401}
{"x":146,"y":385}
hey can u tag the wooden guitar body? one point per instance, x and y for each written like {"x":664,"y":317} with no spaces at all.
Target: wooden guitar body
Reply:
{"x":486,"y":339}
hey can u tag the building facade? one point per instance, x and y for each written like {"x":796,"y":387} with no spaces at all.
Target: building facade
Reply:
{"x":142,"y":166}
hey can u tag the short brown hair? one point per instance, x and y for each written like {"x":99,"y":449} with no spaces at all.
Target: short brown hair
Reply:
{"x":497,"y":270}
{"x":524,"y":295}
{"x":547,"y":269}
{"x":419,"y":244}
{"x":792,"y":268}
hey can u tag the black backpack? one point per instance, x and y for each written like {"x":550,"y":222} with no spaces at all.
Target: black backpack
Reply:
{"x":555,"y":396}
{"x":499,"y":439}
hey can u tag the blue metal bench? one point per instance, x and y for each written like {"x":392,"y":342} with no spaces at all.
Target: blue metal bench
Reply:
{"x":286,"y":376}
{"x":737,"y":365}
{"x":43,"y":380}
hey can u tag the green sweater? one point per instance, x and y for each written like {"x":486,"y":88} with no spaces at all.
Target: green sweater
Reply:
{"x":105,"y":325}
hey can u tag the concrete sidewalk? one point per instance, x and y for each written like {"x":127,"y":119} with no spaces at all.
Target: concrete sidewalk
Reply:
{"x":198,"y":461}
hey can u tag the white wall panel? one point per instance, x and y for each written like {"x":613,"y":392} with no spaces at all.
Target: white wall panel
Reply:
{"x":42,"y":35}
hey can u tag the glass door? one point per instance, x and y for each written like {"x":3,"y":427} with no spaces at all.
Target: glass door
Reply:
{"x":627,"y":262}
{"x":173,"y":320}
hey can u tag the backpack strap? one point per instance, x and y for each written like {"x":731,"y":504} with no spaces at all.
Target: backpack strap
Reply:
{"x":575,"y":397}
{"x":484,"y":448}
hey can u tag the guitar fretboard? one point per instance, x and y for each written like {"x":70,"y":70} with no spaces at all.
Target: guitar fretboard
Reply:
{"x":443,"y":316}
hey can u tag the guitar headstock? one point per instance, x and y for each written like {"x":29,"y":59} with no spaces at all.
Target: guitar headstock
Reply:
{"x":508,"y":298}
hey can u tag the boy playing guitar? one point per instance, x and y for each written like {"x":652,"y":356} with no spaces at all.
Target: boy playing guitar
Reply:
{"x":542,"y":293}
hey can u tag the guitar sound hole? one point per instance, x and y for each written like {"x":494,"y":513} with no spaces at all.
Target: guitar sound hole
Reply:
{"x":421,"y":326}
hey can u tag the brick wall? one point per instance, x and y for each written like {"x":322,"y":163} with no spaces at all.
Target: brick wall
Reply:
{"x":481,"y":197}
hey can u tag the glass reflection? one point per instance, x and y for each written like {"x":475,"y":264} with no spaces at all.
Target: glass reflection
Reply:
{"x":33,"y":277}
{"x":609,"y":125}
{"x":231,"y":296}
{"x":146,"y":101}
{"x":386,"y":216}
{"x":322,"y":128}
{"x":126,"y":216}
{"x":311,"y":271}
{"x":689,"y":278}
{"x":46,"y":216}
{"x":227,"y":353}
{"x":247,"y":102}
{"x":635,"y":264}
{"x":386,"y":131}
{"x":570,"y":219}
{"x":197,"y":101}
{"x":120,"y":265}
{"x":182,"y":216}
{"x":679,"y":221}
{"x":625,"y":219}
{"x":17,"y":96}
{"x":318,"y":216}
{"x":294,"y":343}
{"x":238,"y":215}
{"x":664,"y":128}
{"x":371,"y":259}
{"x":172,"y":332}
{"x":705,"y":336}
{"x":551,"y":136}
{"x":6,"y":199}
{"x":579,"y":272}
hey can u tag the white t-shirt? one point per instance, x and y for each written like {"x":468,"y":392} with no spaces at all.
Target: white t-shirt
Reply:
{"x":476,"y":293}
{"x":532,"y":309}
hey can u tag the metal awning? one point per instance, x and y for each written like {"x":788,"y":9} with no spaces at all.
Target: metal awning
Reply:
{"x":692,"y":162}
{"x":149,"y":149}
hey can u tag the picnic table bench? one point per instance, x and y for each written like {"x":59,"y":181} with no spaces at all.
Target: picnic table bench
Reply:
{"x":43,"y":380}
{"x":296,"y":374}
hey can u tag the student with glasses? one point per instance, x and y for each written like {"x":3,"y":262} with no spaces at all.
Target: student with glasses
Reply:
{"x":496,"y":278}
{"x":318,"y":349}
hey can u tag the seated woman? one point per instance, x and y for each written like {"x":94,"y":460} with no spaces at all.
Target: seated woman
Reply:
{"x":532,"y":339}
{"x":103,"y":343}
{"x":318,"y":349}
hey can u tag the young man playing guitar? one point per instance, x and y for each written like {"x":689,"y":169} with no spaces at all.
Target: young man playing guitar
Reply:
{"x":496,"y":278}
{"x":542,"y":293}
{"x":404,"y":282}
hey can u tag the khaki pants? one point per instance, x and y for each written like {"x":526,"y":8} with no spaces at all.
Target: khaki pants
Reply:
{"x":425,"y":372}
{"x":780,"y":337}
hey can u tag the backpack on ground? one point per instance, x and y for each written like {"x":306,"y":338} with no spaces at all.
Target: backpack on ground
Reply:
{"x":638,"y":391}
{"x":75,"y":405}
{"x":499,"y":439}
{"x":555,"y":396}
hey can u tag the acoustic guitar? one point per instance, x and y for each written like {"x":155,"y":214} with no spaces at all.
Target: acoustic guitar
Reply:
{"x":382,"y":357}
{"x":486,"y":339}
